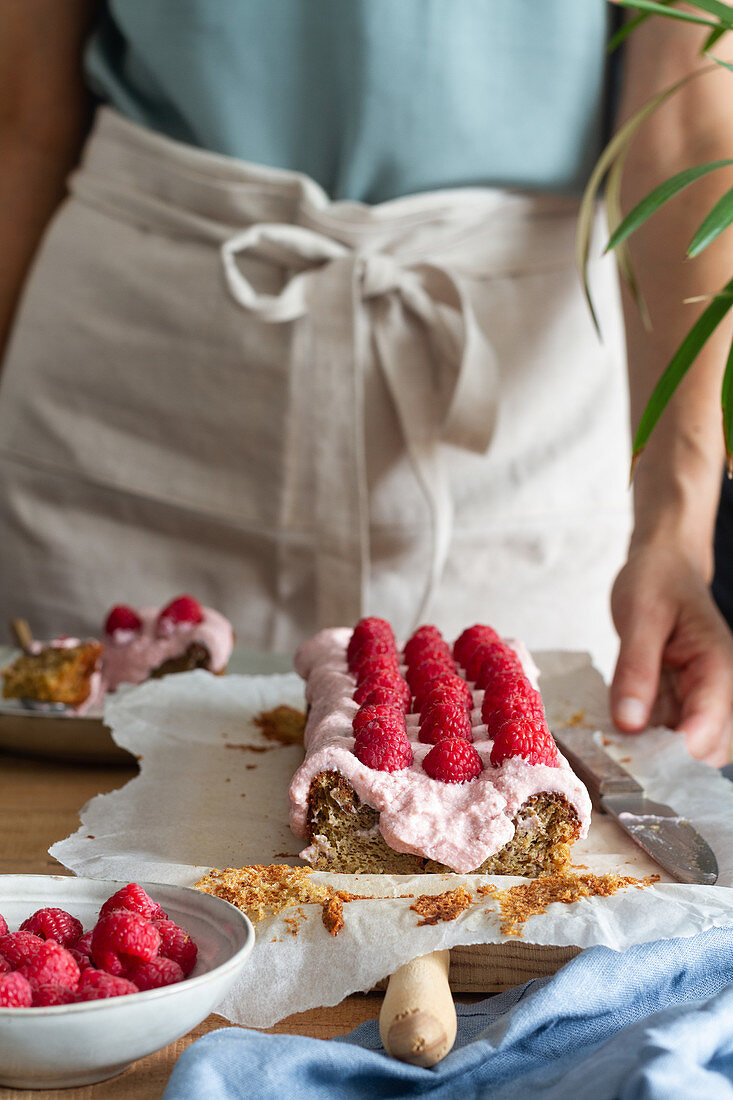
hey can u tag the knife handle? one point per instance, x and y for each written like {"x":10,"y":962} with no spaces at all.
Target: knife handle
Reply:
{"x":592,"y":764}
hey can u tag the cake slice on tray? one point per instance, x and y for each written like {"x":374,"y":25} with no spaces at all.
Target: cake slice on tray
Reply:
{"x":146,"y":643}
{"x":428,"y":759}
{"x":63,"y":671}
{"x":139,"y":644}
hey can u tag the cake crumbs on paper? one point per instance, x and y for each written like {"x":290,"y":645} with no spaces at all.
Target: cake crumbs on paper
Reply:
{"x":264,"y":891}
{"x":249,"y":748}
{"x":518,"y":903}
{"x":294,"y":921}
{"x":487,"y":890}
{"x":442,"y":907}
{"x":284,"y":724}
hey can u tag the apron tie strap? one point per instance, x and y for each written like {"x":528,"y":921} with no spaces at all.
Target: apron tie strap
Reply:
{"x":439,"y":367}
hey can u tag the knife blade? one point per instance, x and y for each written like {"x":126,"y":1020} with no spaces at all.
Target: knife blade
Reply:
{"x":671,"y":840}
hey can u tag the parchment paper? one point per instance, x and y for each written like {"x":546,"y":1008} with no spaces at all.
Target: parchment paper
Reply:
{"x":213,"y":793}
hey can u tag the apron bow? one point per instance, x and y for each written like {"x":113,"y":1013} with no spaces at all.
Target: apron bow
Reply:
{"x":417,"y":322}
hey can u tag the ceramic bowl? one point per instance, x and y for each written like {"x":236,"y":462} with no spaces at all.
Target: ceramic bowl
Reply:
{"x":79,"y":1044}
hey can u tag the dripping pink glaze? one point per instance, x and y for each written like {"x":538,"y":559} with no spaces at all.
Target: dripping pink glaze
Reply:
{"x":459,"y":824}
{"x":130,"y":656}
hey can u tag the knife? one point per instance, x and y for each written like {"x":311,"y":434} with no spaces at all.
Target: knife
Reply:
{"x":669,"y":839}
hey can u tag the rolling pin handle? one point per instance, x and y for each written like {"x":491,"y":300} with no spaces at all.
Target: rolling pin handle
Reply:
{"x":417,"y":1022}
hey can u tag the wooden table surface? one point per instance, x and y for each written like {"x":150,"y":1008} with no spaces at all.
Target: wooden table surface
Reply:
{"x":40,"y":802}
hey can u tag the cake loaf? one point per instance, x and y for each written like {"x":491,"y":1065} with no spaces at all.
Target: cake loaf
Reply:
{"x":428,"y":759}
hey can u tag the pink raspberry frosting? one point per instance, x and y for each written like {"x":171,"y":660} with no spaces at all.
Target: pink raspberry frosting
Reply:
{"x":460,"y":824}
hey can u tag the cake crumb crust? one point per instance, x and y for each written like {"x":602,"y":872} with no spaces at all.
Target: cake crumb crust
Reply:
{"x":519,"y":903}
{"x":264,"y":891}
{"x":442,"y":907}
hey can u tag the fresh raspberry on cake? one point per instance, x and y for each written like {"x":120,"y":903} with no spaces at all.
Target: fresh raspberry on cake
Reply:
{"x":16,"y":947}
{"x":155,"y":973}
{"x":121,"y":938}
{"x":51,"y":963}
{"x":122,"y":617}
{"x":3,"y":925}
{"x":476,"y":660}
{"x":446,"y":694}
{"x":429,"y":671}
{"x":372,"y":713}
{"x":370,"y":663}
{"x":15,"y":992}
{"x":526,"y":737}
{"x":54,"y":924}
{"x":447,"y":681}
{"x":387,"y":696}
{"x":5,"y":966}
{"x":437,"y":653}
{"x":453,"y":760}
{"x":470,"y":639}
{"x":391,"y":682}
{"x":425,"y":638}
{"x":96,"y":985}
{"x":373,"y":647}
{"x":177,"y":944}
{"x":366,"y":629}
{"x":520,"y":702}
{"x":382,"y":748}
{"x":497,"y":658}
{"x":505,"y":684}
{"x":444,"y":720}
{"x":134,"y":898}
{"x":183,"y":611}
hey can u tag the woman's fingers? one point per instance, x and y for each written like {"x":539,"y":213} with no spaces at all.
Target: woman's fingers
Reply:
{"x":644,"y":629}
{"x":706,"y":706}
{"x":675,"y":662}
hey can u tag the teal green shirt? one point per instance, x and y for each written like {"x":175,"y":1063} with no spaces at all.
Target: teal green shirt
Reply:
{"x":373,"y":98}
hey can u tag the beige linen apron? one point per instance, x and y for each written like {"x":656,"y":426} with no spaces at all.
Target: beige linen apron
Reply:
{"x":303,"y":410}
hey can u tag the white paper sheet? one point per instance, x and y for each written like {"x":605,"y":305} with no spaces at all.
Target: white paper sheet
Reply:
{"x":207,"y":798}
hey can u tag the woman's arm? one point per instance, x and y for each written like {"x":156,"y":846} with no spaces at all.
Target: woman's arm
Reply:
{"x":44,"y":116}
{"x":665,"y":616}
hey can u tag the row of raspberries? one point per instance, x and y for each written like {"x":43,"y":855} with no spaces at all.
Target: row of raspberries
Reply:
{"x":133,"y":946}
{"x":434,"y":689}
{"x":444,"y":701}
{"x":183,"y":610}
{"x":511,"y":708}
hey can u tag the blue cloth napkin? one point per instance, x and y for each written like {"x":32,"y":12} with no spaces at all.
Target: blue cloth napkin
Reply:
{"x":652,"y":1023}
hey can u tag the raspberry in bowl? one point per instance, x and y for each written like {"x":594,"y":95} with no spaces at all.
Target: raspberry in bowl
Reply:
{"x":86,"y":1024}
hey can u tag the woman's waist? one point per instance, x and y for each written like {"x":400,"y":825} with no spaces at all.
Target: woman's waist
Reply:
{"x":174,"y":188}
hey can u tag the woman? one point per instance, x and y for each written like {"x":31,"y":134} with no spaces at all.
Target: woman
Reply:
{"x":306,"y":337}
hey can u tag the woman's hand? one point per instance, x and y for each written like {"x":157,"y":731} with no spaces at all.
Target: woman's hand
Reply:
{"x":675,"y":664}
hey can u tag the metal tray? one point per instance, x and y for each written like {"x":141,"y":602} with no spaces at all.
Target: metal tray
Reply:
{"x":85,"y":738}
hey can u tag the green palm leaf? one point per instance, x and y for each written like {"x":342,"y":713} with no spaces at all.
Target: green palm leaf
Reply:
{"x":655,"y":8}
{"x":713,"y":224}
{"x":614,"y":218}
{"x":629,"y":26}
{"x":727,"y":406}
{"x":725,"y":64}
{"x":617,"y":146}
{"x":713,"y":37}
{"x":680,"y":363}
{"x":658,"y":197}
{"x":717,"y":8}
